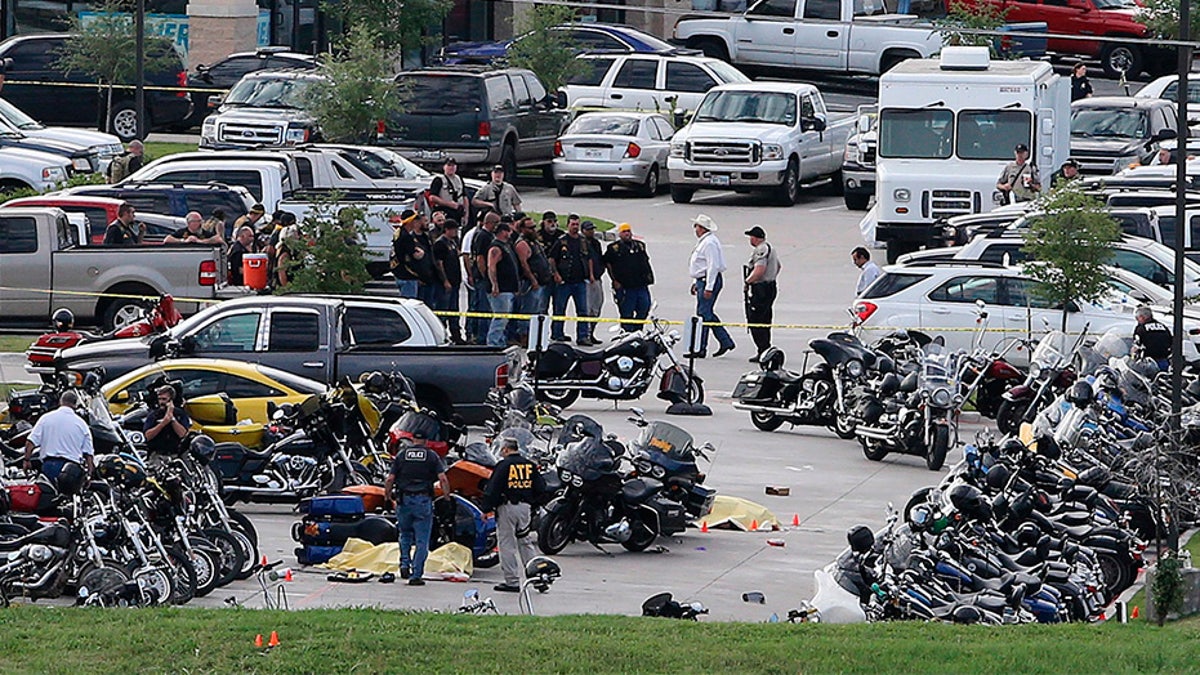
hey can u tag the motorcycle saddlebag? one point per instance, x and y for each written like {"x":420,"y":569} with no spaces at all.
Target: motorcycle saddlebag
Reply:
{"x":372,"y":496}
{"x":756,"y":386}
{"x":555,"y":361}
{"x":673,"y":386}
{"x":30,"y":498}
{"x":341,"y":507}
{"x":672,"y":518}
{"x":700,"y":501}
{"x":316,"y":555}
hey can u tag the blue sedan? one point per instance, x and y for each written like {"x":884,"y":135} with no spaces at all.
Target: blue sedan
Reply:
{"x":590,"y":37}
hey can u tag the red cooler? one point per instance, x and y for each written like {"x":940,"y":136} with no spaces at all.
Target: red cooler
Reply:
{"x":254,"y":270}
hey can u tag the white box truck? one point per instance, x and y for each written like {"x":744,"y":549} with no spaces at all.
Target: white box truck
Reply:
{"x":946,"y":129}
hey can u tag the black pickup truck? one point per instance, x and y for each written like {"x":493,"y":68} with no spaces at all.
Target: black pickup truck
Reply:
{"x":324,"y":338}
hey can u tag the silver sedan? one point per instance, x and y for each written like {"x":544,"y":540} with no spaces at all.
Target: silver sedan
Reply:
{"x":613,"y":148}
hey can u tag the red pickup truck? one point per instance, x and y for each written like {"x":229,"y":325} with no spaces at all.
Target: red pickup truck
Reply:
{"x":100,"y":211}
{"x":1115,"y":18}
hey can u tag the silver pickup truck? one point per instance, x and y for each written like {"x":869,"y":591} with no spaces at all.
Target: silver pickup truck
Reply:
{"x":43,"y":267}
{"x":770,"y":136}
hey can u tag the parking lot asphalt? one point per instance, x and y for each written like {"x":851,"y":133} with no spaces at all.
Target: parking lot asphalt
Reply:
{"x":832,"y":486}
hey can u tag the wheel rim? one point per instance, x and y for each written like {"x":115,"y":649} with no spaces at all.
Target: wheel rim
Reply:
{"x":125,"y":315}
{"x":125,"y":123}
{"x":100,"y":580}
{"x":793,"y":187}
{"x":1110,"y":569}
{"x":652,"y":182}
{"x":1121,"y":59}
{"x":556,"y":534}
{"x":763,"y":417}
{"x":205,"y":569}
{"x":157,"y":580}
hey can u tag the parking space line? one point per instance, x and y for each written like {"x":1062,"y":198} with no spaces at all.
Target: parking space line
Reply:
{"x":825,"y":208}
{"x":695,"y":199}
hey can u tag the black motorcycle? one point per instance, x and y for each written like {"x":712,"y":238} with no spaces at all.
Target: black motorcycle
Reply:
{"x":668,"y":454}
{"x":824,"y":396}
{"x":600,"y":507}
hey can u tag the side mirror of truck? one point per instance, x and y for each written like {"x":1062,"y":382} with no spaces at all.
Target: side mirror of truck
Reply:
{"x":812,"y":124}
{"x":1081,"y":5}
{"x":560,"y":99}
{"x":215,"y":101}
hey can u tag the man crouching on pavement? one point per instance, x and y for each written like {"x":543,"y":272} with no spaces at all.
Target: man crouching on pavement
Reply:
{"x":515,"y":485}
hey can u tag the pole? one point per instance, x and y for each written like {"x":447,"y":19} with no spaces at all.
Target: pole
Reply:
{"x":139,"y":76}
{"x":1185,"y":67}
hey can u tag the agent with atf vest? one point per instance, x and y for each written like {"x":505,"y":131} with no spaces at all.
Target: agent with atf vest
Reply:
{"x":409,"y":485}
{"x":514,"y":486}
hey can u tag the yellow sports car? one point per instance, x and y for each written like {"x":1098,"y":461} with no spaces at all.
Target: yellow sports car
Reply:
{"x":249,"y":386}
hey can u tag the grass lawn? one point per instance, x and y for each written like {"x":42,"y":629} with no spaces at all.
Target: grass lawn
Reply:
{"x":15,"y":343}
{"x":157,"y":150}
{"x":40,"y":640}
{"x":601,"y":224}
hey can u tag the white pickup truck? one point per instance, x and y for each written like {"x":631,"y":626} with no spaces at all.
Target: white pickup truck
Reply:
{"x":769,"y":136}
{"x":32,"y":169}
{"x":829,"y":35}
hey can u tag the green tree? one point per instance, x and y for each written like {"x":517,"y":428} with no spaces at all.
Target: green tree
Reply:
{"x":104,"y":48}
{"x":396,"y":25}
{"x":356,"y":89}
{"x":1162,"y":18}
{"x":330,"y":253}
{"x":548,"y":53}
{"x":1069,"y":246}
{"x":962,"y":18}
{"x":1168,"y":587}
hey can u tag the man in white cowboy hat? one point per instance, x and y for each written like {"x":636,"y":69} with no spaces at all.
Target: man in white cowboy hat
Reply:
{"x":706,"y":267}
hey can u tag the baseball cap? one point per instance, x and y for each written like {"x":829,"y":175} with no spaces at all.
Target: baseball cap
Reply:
{"x":756,"y":231}
{"x":258,"y":208}
{"x":1071,"y":162}
{"x":587,"y":225}
{"x":624,"y":227}
{"x":450,"y":160}
{"x":549,"y":215}
{"x":498,"y":167}
{"x":1021,"y":147}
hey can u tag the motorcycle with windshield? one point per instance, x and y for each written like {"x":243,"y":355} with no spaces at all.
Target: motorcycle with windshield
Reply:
{"x":1051,"y":373}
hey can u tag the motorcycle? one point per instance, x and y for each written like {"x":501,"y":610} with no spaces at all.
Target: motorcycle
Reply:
{"x":623,"y":370}
{"x":153,"y":316}
{"x":823,"y":396}
{"x":668,"y":454}
{"x":1050,"y":374}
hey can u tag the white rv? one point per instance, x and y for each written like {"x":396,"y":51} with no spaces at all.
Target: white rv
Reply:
{"x":948,"y":126}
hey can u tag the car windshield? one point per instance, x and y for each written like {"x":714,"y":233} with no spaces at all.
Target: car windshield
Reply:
{"x":401,"y":167}
{"x":17,"y":117}
{"x":922,"y":133}
{"x":1109,"y":123}
{"x":727,"y":73}
{"x":748,"y":106}
{"x":433,"y":94}
{"x":265,"y":92}
{"x":1115,"y":4}
{"x":613,"y":125}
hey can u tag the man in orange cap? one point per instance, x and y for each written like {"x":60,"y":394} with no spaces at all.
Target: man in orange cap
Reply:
{"x":628,"y":266}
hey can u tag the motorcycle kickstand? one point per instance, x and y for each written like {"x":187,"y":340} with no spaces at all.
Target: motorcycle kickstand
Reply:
{"x":600,"y":548}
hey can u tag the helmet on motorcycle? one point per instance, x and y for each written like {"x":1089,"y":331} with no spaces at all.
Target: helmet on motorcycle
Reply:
{"x":1013,"y":447}
{"x":969,"y":501}
{"x":541,"y":572}
{"x":1107,"y":380}
{"x":967,"y":615}
{"x":1146,"y":367}
{"x":771,"y":359}
{"x":1081,"y":394}
{"x":522,"y":398}
{"x":374,"y":382}
{"x":1021,"y":507}
{"x":63,"y":319}
{"x":920,"y":517}
{"x":71,"y":478}
{"x":1028,"y":534}
{"x":998,"y":477}
{"x":202,"y":448}
{"x":860,"y":538}
{"x":889,"y":385}
{"x":110,"y":467}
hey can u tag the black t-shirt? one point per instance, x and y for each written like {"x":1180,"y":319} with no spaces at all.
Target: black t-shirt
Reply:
{"x":416,"y":468}
{"x":445,"y":251}
{"x":1081,"y":87}
{"x":409,"y":266}
{"x":236,"y":252}
{"x":595,"y":257}
{"x":629,"y":263}
{"x":1155,"y":339}
{"x":515,"y":480}
{"x":570,"y":258}
{"x":120,"y":234}
{"x":167,"y":441}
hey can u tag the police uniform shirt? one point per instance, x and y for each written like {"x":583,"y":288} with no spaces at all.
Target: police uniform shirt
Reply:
{"x":1155,"y":338}
{"x":416,"y":467}
{"x":763,"y":254}
{"x":515,"y":480}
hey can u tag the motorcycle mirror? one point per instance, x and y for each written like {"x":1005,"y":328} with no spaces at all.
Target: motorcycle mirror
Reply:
{"x":471,"y":594}
{"x":638,"y":411}
{"x":754,"y":597}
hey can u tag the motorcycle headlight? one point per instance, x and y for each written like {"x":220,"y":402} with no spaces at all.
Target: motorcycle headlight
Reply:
{"x":854,"y":368}
{"x":1035,"y":370}
{"x":772,"y":151}
{"x":657,"y":471}
{"x":941,"y":398}
{"x":677,"y":149}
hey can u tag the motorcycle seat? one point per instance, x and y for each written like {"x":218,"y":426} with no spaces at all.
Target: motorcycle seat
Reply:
{"x":51,"y":535}
{"x":1077,"y":532}
{"x":263,"y":453}
{"x":639,"y":490}
{"x":990,"y":602}
{"x":789,"y":376}
{"x":29,"y":521}
{"x":1074,"y":518}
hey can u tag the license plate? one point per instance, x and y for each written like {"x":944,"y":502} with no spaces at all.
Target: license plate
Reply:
{"x":718,"y":180}
{"x":429,"y":154}
{"x":593,"y":154}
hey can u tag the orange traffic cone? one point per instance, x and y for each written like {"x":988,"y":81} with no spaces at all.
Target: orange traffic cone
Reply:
{"x":795,"y":520}
{"x":1135,"y":612}
{"x":258,"y":640}
{"x":288,"y":575}
{"x":754,"y":526}
{"x":274,"y":641}
{"x":704,"y":526}
{"x":264,"y":561}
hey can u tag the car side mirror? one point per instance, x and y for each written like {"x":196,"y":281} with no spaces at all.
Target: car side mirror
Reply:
{"x":812,"y":124}
{"x":158,"y":346}
{"x":187,"y":345}
{"x":560,"y":99}
{"x":1166,"y":135}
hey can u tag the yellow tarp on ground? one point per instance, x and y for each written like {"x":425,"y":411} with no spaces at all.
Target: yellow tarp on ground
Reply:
{"x":737,"y":513}
{"x":449,"y":561}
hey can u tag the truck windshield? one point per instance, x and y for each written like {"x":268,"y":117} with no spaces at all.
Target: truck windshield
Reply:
{"x":748,"y":106}
{"x":269,"y":93}
{"x":923,"y":133}
{"x":1109,"y":123}
{"x":1115,"y":4}
{"x":992,"y":134}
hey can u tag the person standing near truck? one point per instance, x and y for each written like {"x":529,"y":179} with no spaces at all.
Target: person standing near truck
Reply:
{"x":761,"y":290}
{"x":449,"y":269}
{"x":1019,"y":180}
{"x":124,"y":231}
{"x":706,"y":268}
{"x":498,"y":195}
{"x":1081,"y":87}
{"x":447,"y":193}
{"x":476,"y":244}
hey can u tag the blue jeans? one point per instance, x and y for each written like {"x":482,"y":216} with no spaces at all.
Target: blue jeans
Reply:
{"x":447,"y":301}
{"x":409,"y":288}
{"x":428,"y":293}
{"x":577,"y":293}
{"x":414,"y":519}
{"x":500,"y":304}
{"x":477,"y":301}
{"x":633,"y":303}
{"x":52,"y":466}
{"x":704,"y":309}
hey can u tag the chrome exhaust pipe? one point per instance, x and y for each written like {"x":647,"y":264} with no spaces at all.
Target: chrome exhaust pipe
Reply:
{"x":873,"y":433}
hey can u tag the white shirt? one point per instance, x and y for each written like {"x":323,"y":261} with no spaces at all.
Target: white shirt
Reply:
{"x":466,"y":248}
{"x":63,"y":434}
{"x":707,"y":258}
{"x":870,"y":272}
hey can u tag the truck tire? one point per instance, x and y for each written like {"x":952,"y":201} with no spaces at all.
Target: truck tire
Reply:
{"x":682,"y":195}
{"x":713,"y":48}
{"x":564,"y":188}
{"x":788,"y":193}
{"x":123,"y":121}
{"x":120,"y":313}
{"x":856,"y":202}
{"x":508,"y":160}
{"x":1118,"y":58}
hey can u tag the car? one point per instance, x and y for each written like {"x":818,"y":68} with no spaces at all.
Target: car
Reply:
{"x":940,"y":298}
{"x":479,"y":116}
{"x":264,"y":109}
{"x":613,"y":148}
{"x":227,"y":72}
{"x":251,"y":387}
{"x":98,"y":212}
{"x":1111,"y":133}
{"x":653,"y":82}
{"x":177,"y":200}
{"x":37,"y":86}
{"x":592,"y":37}
{"x":106,"y":147}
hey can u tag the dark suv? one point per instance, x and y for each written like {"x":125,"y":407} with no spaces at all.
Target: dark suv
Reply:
{"x":480,"y":117}
{"x":177,"y":200}
{"x":53,"y":97}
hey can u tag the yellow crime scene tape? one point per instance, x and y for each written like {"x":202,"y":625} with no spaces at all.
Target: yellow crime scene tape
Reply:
{"x":88,"y":85}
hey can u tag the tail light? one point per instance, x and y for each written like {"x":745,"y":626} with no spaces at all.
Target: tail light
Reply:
{"x":208,"y":273}
{"x":558,"y":151}
{"x":380,"y":127}
{"x":633,"y":150}
{"x":502,"y":375}
{"x":864,"y":310}
{"x":181,"y":80}
{"x":485,"y":131}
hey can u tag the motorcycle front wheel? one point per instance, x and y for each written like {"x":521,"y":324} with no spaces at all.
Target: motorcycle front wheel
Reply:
{"x":102,"y":579}
{"x":695,"y":390}
{"x":843,"y":425}
{"x":1010,"y":415}
{"x":232,"y":559}
{"x":873,"y":452}
{"x":765,"y":421}
{"x":936,"y":456}
{"x":554,"y":532}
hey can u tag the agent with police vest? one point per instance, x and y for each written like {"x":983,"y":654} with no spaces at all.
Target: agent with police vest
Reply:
{"x":515,"y":485}
{"x":410,"y":486}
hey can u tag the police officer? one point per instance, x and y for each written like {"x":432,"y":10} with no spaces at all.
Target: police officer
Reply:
{"x":410,"y":486}
{"x":1152,"y":337}
{"x":761,"y":290}
{"x":629,"y":268}
{"x":514,"y":486}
